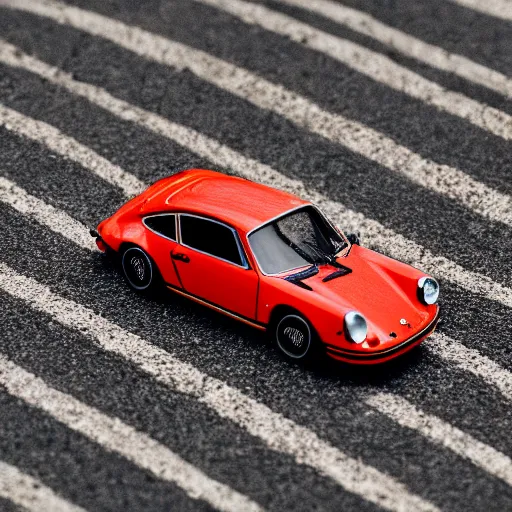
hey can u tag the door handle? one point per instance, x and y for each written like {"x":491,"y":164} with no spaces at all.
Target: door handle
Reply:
{"x":180,"y":257}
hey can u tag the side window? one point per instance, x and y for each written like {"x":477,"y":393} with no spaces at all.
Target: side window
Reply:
{"x":210,"y":237}
{"x":164,"y":225}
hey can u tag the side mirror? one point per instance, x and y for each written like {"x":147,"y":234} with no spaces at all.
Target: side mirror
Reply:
{"x":354,"y":238}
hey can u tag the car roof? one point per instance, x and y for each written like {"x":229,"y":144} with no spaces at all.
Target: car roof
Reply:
{"x":241,"y":203}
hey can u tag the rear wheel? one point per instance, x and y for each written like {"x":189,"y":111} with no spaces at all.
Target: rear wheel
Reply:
{"x":295,"y":337}
{"x":138,"y":269}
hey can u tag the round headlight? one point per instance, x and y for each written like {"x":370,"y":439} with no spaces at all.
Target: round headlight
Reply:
{"x":356,"y":326}
{"x":428,"y":290}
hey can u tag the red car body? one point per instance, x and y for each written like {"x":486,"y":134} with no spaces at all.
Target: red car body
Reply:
{"x":383,"y":290}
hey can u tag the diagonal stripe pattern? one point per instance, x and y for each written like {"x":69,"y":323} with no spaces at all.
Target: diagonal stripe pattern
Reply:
{"x":440,"y":432}
{"x":353,"y":135}
{"x":279,"y":433}
{"x":114,"y":435}
{"x":383,"y":238}
{"x":446,"y":348}
{"x":28,"y":492}
{"x":472,"y":361}
{"x":397,"y":408}
{"x":372,"y":64}
{"x":406,"y":44}
{"x":67,"y":147}
{"x":498,"y":8}
{"x":45,"y":214}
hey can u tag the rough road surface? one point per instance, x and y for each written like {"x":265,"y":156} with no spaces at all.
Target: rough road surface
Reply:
{"x":395,"y":116}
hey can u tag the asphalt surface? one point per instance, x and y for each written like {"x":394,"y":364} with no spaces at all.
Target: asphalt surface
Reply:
{"x":328,"y":400}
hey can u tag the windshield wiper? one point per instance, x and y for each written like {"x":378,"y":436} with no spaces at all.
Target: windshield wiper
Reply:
{"x":330,"y":259}
{"x":327,"y":258}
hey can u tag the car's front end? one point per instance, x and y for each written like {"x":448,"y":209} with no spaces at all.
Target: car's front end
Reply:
{"x":386,"y":308}
{"x":382,"y":350}
{"x":365,"y":308}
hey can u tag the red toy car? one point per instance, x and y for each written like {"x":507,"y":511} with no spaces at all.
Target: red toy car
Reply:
{"x":273,"y":261}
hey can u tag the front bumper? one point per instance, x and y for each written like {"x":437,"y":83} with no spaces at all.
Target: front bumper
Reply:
{"x":380,"y":356}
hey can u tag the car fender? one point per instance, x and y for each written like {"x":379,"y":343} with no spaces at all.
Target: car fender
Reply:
{"x":117,"y":231}
{"x":275,"y":292}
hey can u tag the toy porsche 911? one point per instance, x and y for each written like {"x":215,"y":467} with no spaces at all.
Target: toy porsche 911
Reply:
{"x":273,"y":261}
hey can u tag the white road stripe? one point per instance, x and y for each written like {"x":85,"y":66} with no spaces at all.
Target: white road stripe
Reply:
{"x":384,"y":239}
{"x":68,"y":147}
{"x":357,"y":137}
{"x":498,"y":8}
{"x":375,"y":65}
{"x":45,"y":214}
{"x":471,"y":360}
{"x":447,"y":348}
{"x":409,"y":45}
{"x":279,"y":433}
{"x":407,"y":415}
{"x":30,"y":493}
{"x":114,"y":435}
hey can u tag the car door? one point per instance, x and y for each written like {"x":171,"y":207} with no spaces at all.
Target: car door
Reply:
{"x":161,"y":240}
{"x":212,"y":265}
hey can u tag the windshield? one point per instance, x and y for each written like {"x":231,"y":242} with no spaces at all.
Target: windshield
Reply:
{"x":303,"y":237}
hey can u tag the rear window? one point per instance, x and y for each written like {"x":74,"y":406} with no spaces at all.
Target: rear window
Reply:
{"x":211,"y":238}
{"x":164,"y":225}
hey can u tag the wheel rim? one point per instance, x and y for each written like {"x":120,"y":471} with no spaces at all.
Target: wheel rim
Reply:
{"x":293,"y":336}
{"x":137,"y":268}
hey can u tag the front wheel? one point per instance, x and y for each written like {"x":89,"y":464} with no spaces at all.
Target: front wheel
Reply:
{"x":138,"y":269}
{"x":295,"y":337}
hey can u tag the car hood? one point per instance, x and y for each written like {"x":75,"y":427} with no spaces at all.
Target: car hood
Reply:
{"x":385,"y":295}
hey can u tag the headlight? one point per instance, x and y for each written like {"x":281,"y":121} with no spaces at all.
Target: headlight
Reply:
{"x":355,"y":326}
{"x":428,"y":290}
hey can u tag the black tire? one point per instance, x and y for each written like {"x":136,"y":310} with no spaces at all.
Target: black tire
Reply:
{"x":139,"y":270}
{"x":295,"y":337}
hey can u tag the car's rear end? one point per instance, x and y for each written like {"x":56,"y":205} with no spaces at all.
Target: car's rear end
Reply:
{"x":114,"y":230}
